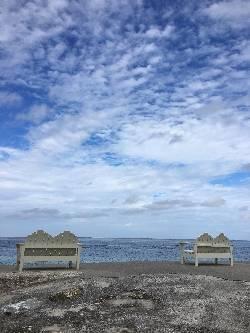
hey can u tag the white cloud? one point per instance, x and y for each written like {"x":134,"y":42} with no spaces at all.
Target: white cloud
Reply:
{"x":9,"y":99}
{"x":155,"y":32}
{"x":36,"y":114}
{"x":154,"y":140}
{"x":229,"y":10}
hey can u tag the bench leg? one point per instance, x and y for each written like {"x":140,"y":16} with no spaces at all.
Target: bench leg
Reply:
{"x":216,"y":261}
{"x":20,"y":266}
{"x":231,"y":261}
{"x":78,"y":264}
{"x":182,"y":253}
{"x":196,"y":262}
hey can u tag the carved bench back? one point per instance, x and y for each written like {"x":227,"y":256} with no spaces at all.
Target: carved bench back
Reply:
{"x":207,"y":244}
{"x":41,"y":239}
{"x":221,"y":241}
{"x":204,"y":240}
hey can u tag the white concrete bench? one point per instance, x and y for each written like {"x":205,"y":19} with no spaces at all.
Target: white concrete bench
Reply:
{"x":207,"y":247}
{"x":40,"y":246}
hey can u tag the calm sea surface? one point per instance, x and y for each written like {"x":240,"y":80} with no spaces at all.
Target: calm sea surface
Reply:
{"x":117,"y":249}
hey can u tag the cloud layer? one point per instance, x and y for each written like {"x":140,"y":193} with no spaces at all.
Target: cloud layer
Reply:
{"x":125,"y":118}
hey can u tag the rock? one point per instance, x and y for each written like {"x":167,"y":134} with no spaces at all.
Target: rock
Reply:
{"x":65,"y":295}
{"x":21,"y":306}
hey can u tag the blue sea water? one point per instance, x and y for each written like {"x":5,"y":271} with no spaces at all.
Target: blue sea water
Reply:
{"x":121,"y":249}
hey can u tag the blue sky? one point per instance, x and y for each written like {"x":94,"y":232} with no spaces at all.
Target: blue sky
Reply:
{"x":125,"y":118}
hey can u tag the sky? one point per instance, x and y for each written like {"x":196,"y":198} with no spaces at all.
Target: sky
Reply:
{"x":125,"y":118}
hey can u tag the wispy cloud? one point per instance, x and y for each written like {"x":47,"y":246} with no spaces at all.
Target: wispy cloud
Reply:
{"x":229,"y":10}
{"x":36,"y":114}
{"x":9,"y":98}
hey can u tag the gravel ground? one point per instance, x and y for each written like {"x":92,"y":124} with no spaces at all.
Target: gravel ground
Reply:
{"x":70,"y":302}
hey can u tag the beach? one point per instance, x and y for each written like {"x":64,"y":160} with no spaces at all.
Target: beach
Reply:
{"x":126,"y":297}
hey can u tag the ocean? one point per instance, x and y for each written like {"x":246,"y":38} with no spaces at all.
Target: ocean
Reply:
{"x":123,"y":249}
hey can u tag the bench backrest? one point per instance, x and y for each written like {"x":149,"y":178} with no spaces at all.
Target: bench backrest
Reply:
{"x":221,"y":241}
{"x":41,"y":239}
{"x":204,"y":240}
{"x":207,"y":244}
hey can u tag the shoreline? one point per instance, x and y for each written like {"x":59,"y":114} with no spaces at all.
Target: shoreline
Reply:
{"x":239,"y":272}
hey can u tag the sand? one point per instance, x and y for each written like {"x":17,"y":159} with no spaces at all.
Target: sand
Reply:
{"x":126,"y":297}
{"x":240,"y":271}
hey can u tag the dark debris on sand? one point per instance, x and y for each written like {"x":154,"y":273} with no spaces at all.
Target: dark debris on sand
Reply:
{"x":70,"y":302}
